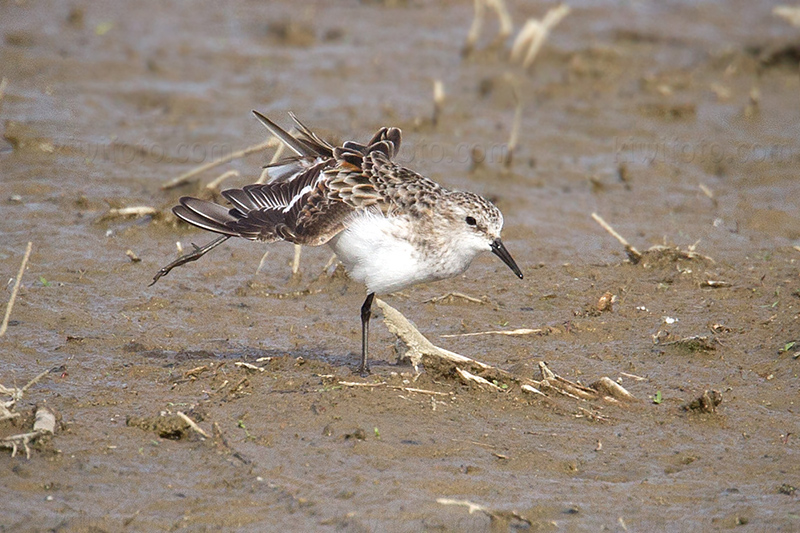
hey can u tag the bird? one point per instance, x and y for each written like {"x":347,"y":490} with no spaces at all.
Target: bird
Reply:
{"x":390,"y":226}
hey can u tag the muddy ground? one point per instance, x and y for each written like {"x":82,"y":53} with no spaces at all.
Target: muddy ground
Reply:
{"x":630,"y":108}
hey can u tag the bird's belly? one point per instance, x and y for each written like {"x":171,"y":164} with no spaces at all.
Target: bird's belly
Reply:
{"x":375,"y":253}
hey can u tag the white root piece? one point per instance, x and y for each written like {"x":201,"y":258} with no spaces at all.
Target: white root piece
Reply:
{"x":134,"y":211}
{"x":500,"y":519}
{"x":418,"y":345}
{"x":470,"y":377}
{"x":44,"y":424}
{"x":633,"y":254}
{"x":248,"y":366}
{"x":421,"y":350}
{"x":44,"y":421}
{"x":186,"y":176}
{"x":296,"y":260}
{"x":132,"y":256}
{"x":632,"y":376}
{"x":192,"y":424}
{"x":790,"y":14}
{"x":471,"y":507}
{"x":534,"y":33}
{"x":438,"y":100}
{"x":261,"y":263}
{"x":15,"y":290}
{"x":532,"y":389}
{"x":510,"y":333}
{"x":610,"y":388}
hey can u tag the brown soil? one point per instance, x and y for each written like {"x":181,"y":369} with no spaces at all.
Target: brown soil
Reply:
{"x":629,"y":108}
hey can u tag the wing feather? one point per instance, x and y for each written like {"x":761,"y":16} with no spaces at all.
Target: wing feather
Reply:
{"x":311,"y":195}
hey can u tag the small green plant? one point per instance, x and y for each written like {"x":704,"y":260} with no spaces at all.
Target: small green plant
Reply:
{"x":377,"y":433}
{"x":44,"y":281}
{"x":240,"y":423}
{"x":657,"y":398}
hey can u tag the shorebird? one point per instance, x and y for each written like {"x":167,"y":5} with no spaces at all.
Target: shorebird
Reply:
{"x":390,"y":227}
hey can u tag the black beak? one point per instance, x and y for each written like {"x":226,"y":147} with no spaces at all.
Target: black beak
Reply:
{"x":500,"y":251}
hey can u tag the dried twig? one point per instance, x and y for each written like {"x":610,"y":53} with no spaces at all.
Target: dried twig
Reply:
{"x":264,"y":177}
{"x":186,"y":176}
{"x":15,"y":395}
{"x":263,"y":260}
{"x":15,"y":290}
{"x":534,"y":33}
{"x":506,"y":24}
{"x":632,"y":376}
{"x":452,"y":295}
{"x":359,"y":384}
{"x":423,"y":391}
{"x":513,"y":138}
{"x":633,"y":254}
{"x":192,"y":424}
{"x":3,"y":85}
{"x":44,"y":419}
{"x":214,"y":184}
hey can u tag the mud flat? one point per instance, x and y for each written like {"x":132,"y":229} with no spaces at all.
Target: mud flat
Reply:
{"x":223,"y":397}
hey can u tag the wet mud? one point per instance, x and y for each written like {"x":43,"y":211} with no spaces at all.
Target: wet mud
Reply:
{"x":678,"y":123}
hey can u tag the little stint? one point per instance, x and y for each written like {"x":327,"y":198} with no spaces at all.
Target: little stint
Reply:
{"x":390,"y":227}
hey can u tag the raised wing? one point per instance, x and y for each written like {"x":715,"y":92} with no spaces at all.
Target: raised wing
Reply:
{"x":311,"y":195}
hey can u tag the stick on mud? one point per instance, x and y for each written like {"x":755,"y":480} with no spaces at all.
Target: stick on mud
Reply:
{"x":186,"y":176}
{"x":15,"y":290}
{"x":633,"y":254}
{"x":216,"y":182}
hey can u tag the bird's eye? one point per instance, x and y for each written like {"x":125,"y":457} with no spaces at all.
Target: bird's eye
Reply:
{"x":471,"y":221}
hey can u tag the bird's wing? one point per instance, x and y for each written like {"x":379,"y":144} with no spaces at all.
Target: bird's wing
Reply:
{"x":312,"y":194}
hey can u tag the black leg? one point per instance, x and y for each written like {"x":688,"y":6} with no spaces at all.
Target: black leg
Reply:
{"x":366,"y":314}
{"x":193,"y":256}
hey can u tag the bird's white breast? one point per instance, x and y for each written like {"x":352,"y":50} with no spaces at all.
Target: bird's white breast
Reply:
{"x":384,"y":254}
